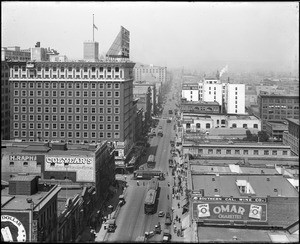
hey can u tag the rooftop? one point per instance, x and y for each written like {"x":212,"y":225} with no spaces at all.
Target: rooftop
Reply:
{"x":226,"y":185}
{"x":219,"y":234}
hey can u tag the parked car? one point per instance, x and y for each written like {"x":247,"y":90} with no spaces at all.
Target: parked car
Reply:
{"x":161,"y":213}
{"x":168,"y":219}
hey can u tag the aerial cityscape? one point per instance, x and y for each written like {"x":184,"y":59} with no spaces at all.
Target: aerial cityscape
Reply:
{"x":150,"y":122}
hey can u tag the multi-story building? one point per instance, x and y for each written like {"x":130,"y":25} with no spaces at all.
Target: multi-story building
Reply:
{"x":150,"y":73}
{"x":5,"y":101}
{"x":190,"y":91}
{"x":231,"y":97}
{"x":200,"y":107}
{"x":235,"y":98}
{"x":291,"y":136}
{"x":141,"y":89}
{"x":75,"y":102}
{"x":29,"y":211}
{"x":15,"y":54}
{"x":277,"y":108}
{"x":275,"y":129}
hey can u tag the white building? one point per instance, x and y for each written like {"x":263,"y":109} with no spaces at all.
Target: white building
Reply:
{"x":150,"y":73}
{"x":235,"y":98}
{"x":190,"y":91}
{"x":232,"y":96}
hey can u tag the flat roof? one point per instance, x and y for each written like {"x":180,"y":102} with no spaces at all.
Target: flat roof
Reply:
{"x":19,"y":202}
{"x":296,"y":121}
{"x":220,"y":234}
{"x":226,"y":169}
{"x":226,"y":185}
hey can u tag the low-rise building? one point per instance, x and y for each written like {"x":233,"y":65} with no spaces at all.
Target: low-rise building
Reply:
{"x":276,"y":129}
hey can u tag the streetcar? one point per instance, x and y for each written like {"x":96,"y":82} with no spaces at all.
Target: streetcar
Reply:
{"x":151,"y":196}
{"x":148,"y":174}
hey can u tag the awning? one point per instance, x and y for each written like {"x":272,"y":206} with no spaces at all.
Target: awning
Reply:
{"x":185,"y":222}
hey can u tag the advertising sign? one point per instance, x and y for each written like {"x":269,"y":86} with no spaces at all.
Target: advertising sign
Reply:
{"x":83,"y":166}
{"x":15,"y":226}
{"x":22,"y":158}
{"x":226,"y":211}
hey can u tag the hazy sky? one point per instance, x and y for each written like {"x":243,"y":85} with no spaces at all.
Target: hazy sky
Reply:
{"x":173,"y":34}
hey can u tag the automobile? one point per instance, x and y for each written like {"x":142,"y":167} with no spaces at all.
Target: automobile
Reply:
{"x":161,"y":213}
{"x":168,"y":219}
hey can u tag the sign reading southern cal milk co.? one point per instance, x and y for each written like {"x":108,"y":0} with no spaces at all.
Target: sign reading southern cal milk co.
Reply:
{"x":230,"y":211}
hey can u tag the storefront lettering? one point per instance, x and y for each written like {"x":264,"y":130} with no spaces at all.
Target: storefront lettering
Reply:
{"x":69,"y":160}
{"x":22,"y":158}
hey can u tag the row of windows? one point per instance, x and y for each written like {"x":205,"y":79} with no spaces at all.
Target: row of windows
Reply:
{"x":63,"y":126}
{"x":54,"y":101}
{"x":70,"y":134}
{"x":77,"y":69}
{"x":69,"y":85}
{"x":70,"y":118}
{"x":70,"y":76}
{"x":63,"y":93}
{"x":282,"y":100}
{"x":238,"y":152}
{"x":24,"y":164}
{"x":85,"y":110}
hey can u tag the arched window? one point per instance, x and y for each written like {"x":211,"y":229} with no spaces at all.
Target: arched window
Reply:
{"x":233,"y":125}
{"x":52,"y":178}
{"x":245,"y":126}
{"x":255,"y":126}
{"x":209,"y":109}
{"x":188,"y":125}
{"x":207,"y":125}
{"x":25,"y":164}
{"x":198,"y":126}
{"x":196,"y":108}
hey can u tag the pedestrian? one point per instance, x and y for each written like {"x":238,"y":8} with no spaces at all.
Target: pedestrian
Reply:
{"x":178,"y":205}
{"x":137,"y":182}
{"x":179,"y":220}
{"x":125,"y":177}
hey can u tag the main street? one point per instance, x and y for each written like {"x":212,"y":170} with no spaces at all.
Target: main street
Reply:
{"x":132,"y":222}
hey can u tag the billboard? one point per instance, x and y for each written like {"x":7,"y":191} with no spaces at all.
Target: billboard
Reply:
{"x":120,"y":46}
{"x":230,"y":211}
{"x":83,"y":166}
{"x":15,"y":226}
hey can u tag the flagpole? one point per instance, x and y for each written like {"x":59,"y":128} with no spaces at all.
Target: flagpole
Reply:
{"x":93,"y":27}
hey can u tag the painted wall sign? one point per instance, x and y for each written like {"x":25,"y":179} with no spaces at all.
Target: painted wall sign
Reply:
{"x":69,"y":160}
{"x":230,"y":199}
{"x":230,"y":211}
{"x":14,"y":227}
{"x":22,"y":158}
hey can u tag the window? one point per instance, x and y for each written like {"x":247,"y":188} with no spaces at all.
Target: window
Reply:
{"x":11,"y":163}
{"x":284,"y":152}
{"x":117,"y":118}
{"x":266,"y":152}
{"x":245,"y":126}
{"x":236,"y":151}
{"x":245,"y":152}
{"x":255,"y":126}
{"x":274,"y":152}
{"x":108,"y":110}
{"x":218,"y":151}
{"x":228,"y":151}
{"x":25,"y":163}
{"x":108,"y":118}
{"x":207,"y":126}
{"x":108,"y":94}
{"x":117,"y":110}
{"x":117,"y":94}
{"x":210,"y":151}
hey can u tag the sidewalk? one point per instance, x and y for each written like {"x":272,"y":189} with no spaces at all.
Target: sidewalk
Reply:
{"x":179,"y":198}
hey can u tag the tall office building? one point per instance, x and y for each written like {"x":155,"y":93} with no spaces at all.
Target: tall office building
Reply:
{"x":5,"y":101}
{"x":14,"y":54}
{"x":73,"y":102}
{"x":91,"y":51}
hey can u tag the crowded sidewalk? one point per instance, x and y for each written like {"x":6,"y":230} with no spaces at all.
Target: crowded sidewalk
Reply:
{"x":182,"y":229}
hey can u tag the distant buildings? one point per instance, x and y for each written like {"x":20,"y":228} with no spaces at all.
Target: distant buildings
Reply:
{"x":150,"y":73}
{"x":277,"y":108}
{"x":230,"y":97}
{"x":15,"y":54}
